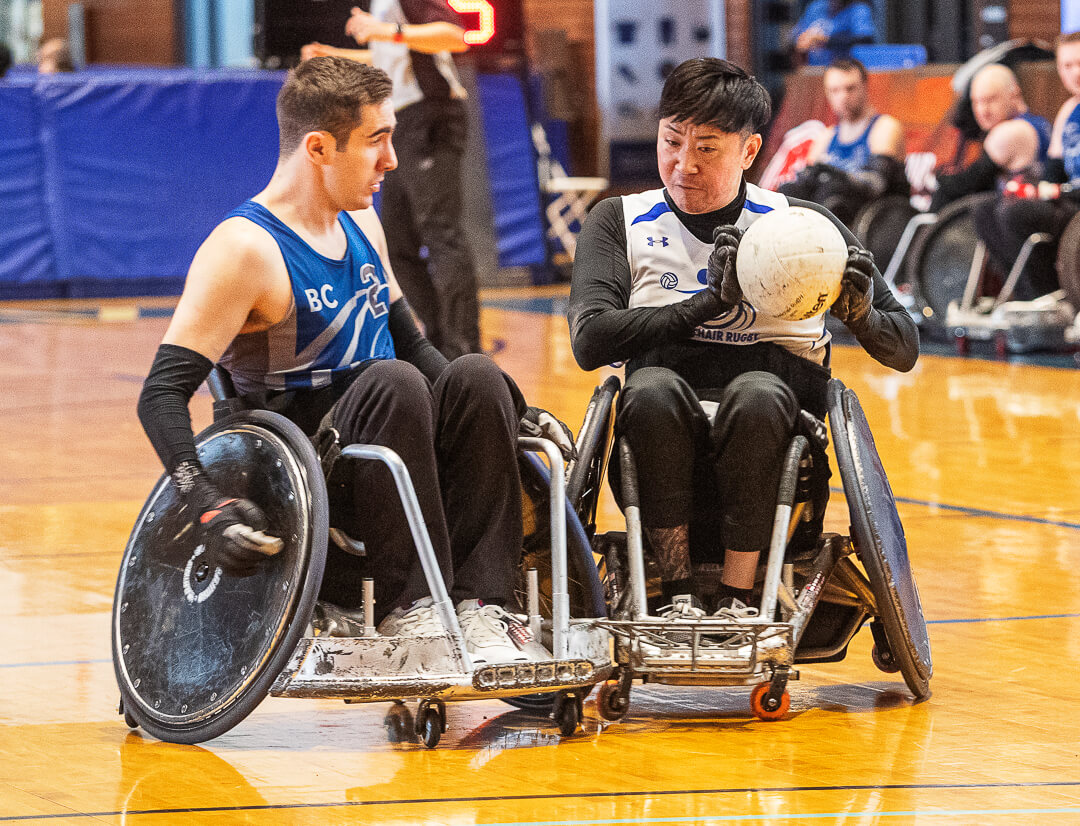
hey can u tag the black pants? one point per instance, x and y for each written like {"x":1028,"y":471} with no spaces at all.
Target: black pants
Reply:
{"x":721,"y":478}
{"x":458,"y":440}
{"x":421,"y":208}
{"x":1005,"y":224}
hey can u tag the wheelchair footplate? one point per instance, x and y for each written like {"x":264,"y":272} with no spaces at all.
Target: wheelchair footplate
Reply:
{"x":379,"y":668}
{"x":711,"y":650}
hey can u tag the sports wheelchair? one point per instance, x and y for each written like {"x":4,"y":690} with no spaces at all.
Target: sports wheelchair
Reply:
{"x":196,"y":650}
{"x":812,"y":603}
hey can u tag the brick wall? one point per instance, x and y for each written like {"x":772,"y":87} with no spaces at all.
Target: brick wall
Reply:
{"x":1035,"y":18}
{"x":121,"y":31}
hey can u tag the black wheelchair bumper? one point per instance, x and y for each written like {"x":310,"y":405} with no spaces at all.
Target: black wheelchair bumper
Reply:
{"x":194,"y":649}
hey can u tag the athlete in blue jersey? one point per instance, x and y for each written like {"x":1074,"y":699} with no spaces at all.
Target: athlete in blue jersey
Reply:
{"x":1004,"y":226}
{"x":1016,"y":140}
{"x":859,"y":159}
{"x":654,"y":286}
{"x":295,"y":297}
{"x":829,"y":28}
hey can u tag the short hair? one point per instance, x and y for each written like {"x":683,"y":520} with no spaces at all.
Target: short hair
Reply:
{"x":327,"y":94}
{"x":849,"y":64}
{"x":1069,"y":37}
{"x":713,"y":92}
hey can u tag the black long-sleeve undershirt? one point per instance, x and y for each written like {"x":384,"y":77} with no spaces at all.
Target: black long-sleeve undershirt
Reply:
{"x":604,"y":329}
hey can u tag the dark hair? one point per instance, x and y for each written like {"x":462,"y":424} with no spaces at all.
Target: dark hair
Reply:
{"x":713,"y":92}
{"x":327,"y":94}
{"x":1070,"y":37}
{"x":5,"y":59}
{"x":849,"y":64}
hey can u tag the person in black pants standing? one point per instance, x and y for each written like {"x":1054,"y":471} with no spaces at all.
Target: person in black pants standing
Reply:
{"x":413,"y":41}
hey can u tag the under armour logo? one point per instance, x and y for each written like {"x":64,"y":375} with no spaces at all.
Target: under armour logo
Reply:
{"x":662,"y":241}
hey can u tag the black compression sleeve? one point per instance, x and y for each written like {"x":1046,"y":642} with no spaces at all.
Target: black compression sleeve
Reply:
{"x":411,"y":345}
{"x":889,"y":334}
{"x":1054,"y":171}
{"x":981,"y":176}
{"x":174,"y":377}
{"x":603,"y":329}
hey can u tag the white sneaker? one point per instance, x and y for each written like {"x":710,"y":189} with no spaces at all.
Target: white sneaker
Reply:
{"x":735,"y":608}
{"x":683,"y":607}
{"x":485,"y":630}
{"x":418,"y":620}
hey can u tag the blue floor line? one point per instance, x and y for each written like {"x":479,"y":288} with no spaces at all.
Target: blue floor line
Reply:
{"x":54,"y":662}
{"x":1013,"y":517}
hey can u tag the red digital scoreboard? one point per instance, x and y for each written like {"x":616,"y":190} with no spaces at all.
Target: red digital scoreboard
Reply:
{"x":491,"y":26}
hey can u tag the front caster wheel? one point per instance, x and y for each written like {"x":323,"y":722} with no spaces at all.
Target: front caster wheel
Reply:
{"x":768,"y":708}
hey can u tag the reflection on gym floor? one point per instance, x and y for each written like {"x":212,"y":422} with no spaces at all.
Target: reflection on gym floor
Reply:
{"x":984,"y":459}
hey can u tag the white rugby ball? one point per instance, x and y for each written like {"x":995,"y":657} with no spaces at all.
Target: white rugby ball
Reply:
{"x":790,"y":263}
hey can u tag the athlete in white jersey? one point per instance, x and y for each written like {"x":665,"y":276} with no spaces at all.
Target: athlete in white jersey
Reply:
{"x":654,"y":286}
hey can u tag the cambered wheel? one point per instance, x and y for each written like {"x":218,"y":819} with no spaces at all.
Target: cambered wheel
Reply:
{"x":765,"y":708}
{"x":611,"y":703}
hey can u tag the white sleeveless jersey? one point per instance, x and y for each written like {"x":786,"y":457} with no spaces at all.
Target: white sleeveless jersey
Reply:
{"x":668,"y":264}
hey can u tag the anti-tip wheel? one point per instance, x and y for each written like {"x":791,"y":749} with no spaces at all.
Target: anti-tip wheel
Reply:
{"x":567,"y":714}
{"x":431,"y":727}
{"x":610,"y":703}
{"x":884,"y":660}
{"x":758,"y":703}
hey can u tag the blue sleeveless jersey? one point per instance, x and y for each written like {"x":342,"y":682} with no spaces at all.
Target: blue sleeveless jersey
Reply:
{"x":339,"y":317}
{"x":850,"y":157}
{"x":1070,"y":140}
{"x":1043,"y":128}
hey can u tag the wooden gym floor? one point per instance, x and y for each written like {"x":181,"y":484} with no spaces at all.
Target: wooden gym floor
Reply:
{"x":984,"y":458}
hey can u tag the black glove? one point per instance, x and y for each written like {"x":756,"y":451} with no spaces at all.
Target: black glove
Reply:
{"x":538,"y":423}
{"x":722,"y":280}
{"x":856,"y":298}
{"x":231,"y":529}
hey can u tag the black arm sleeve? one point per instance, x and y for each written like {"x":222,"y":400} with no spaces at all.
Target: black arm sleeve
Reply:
{"x":1054,"y":171}
{"x":174,"y":377}
{"x":411,"y":345}
{"x":889,"y":334}
{"x":981,"y":176}
{"x":603,"y":329}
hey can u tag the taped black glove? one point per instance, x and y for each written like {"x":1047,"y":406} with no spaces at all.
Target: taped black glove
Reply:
{"x":538,"y":423}
{"x":722,"y":279}
{"x":856,"y":298}
{"x":231,"y":529}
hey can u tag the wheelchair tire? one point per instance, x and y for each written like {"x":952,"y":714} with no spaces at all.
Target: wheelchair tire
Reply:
{"x":879,"y":539}
{"x":586,"y":591}
{"x":940,"y":259}
{"x":174,"y":617}
{"x":1068,"y":261}
{"x":585,"y":476}
{"x":880,"y":224}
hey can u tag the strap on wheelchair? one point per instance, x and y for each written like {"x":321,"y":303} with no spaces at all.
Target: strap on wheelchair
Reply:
{"x":327,"y":443}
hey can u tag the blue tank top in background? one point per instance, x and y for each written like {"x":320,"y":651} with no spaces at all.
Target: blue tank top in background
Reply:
{"x":339,"y":317}
{"x":850,"y":157}
{"x":1070,"y":141}
{"x":1042,"y":127}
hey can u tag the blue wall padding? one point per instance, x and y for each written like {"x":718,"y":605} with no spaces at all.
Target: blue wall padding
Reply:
{"x":111,"y":178}
{"x":515,"y":193}
{"x":117,"y":177}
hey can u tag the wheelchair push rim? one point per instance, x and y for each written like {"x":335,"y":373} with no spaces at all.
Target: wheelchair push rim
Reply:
{"x":194,"y":649}
{"x":879,"y":539}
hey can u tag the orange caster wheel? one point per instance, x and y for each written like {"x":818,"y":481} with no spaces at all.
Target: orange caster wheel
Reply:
{"x":758,"y":703}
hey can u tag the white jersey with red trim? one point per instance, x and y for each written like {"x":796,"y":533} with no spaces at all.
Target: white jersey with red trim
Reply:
{"x":668,"y":263}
